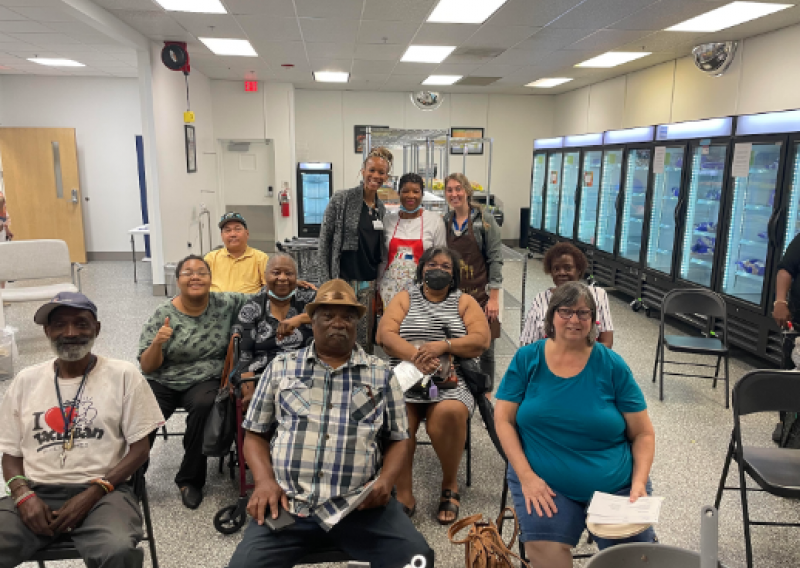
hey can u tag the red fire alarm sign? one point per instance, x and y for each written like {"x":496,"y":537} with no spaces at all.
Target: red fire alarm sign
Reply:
{"x":251,"y":86}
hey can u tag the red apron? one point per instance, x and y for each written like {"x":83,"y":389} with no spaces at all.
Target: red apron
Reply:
{"x":404,"y":255}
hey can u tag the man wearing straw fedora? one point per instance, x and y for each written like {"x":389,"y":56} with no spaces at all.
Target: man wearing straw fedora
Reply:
{"x":340,"y":439}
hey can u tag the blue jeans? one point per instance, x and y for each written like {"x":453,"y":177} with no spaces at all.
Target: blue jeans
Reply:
{"x":568,"y":524}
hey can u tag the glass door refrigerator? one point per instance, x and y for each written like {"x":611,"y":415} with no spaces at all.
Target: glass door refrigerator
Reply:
{"x":634,"y":204}
{"x":578,"y":216}
{"x":314,"y":190}
{"x":538,"y":240}
{"x":570,"y":174}
{"x":552,"y":194}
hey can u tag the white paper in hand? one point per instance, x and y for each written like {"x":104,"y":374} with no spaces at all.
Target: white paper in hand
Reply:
{"x":614,"y":509}
{"x":407,"y":375}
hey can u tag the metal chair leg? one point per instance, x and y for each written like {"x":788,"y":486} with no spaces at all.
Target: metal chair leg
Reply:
{"x":727,"y":384}
{"x":658,"y":350}
{"x":468,"y":449}
{"x":745,"y":516}
{"x":661,"y":374}
{"x":716,"y":373}
{"x":148,"y":524}
{"x":724,"y":476}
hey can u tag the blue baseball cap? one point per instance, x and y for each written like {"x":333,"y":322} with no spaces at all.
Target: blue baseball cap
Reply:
{"x":64,"y":300}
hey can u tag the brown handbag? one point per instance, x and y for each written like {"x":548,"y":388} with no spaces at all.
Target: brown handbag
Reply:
{"x":484,"y":543}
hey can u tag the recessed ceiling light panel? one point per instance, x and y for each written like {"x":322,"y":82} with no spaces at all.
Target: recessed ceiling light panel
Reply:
{"x":464,"y":11}
{"x":613,"y":58}
{"x":56,"y":62}
{"x":224,"y":46}
{"x":728,"y":16}
{"x":441,"y":79}
{"x":198,"y":6}
{"x":331,"y":76}
{"x":427,"y":53}
{"x":549,"y":82}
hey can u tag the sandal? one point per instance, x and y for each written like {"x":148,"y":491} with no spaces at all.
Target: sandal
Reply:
{"x":448,"y":506}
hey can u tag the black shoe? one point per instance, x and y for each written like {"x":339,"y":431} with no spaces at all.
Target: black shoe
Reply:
{"x":191,"y":496}
{"x":777,"y":434}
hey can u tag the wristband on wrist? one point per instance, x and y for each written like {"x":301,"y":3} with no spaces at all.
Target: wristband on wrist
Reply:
{"x":16,"y":477}
{"x":24,"y":498}
{"x":449,"y":345}
{"x":104,"y":483}
{"x":780,"y":302}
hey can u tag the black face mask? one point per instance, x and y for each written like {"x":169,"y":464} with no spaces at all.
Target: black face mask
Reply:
{"x":438,"y":279}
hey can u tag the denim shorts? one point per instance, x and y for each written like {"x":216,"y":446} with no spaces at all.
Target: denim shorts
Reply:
{"x":568,"y":524}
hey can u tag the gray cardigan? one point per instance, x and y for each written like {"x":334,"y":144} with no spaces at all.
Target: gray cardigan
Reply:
{"x":339,"y":229}
{"x":489,"y":238}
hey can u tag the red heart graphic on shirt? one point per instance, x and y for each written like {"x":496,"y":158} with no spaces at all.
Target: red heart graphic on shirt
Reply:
{"x":55,"y":420}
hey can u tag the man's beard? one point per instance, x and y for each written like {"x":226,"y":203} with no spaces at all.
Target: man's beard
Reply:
{"x":71,"y":351}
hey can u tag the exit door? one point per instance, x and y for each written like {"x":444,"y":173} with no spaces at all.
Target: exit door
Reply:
{"x":42,"y":187}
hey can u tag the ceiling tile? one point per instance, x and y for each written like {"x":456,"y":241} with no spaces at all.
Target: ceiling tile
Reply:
{"x":334,"y":30}
{"x":500,"y":36}
{"x":26,"y":26}
{"x":456,"y":68}
{"x":147,"y":5}
{"x":760,"y":26}
{"x":224,"y":25}
{"x":549,"y":39}
{"x":410,"y":82}
{"x":6,"y":14}
{"x":95,"y":40}
{"x":363,"y":67}
{"x":20,"y":47}
{"x":72,"y":28}
{"x":293,"y":75}
{"x":606,"y":40}
{"x":598,"y":14}
{"x":73,"y":48}
{"x":535,"y":13}
{"x":661,"y":15}
{"x":150,"y":23}
{"x":350,"y":9}
{"x":331,"y":64}
{"x":375,"y":80}
{"x":406,"y":68}
{"x":444,"y":34}
{"x":375,"y":31}
{"x":514,"y":57}
{"x":276,"y":53}
{"x":45,"y":14}
{"x":90,"y":72}
{"x":261,"y":28}
{"x":491,"y":70}
{"x":399,"y":10}
{"x":275,"y":8}
{"x":380,"y":52}
{"x":6,"y":39}
{"x":45,"y":39}
{"x":330,"y":50}
{"x":661,"y":41}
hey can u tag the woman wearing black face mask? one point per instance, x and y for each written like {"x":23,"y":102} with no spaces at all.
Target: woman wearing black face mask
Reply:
{"x":436,"y":315}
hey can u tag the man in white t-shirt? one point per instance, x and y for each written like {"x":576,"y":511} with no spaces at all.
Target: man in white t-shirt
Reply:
{"x":74,"y":430}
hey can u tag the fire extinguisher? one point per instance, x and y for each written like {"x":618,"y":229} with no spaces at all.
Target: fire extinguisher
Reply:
{"x":284,"y":201}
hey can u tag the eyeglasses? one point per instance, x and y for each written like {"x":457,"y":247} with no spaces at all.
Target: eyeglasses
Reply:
{"x":198,"y":273}
{"x":567,"y":313}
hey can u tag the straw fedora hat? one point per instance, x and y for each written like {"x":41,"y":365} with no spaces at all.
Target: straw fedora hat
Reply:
{"x":335,"y":293}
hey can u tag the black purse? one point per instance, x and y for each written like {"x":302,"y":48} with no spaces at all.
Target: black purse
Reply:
{"x":220,"y":429}
{"x":478,"y":382}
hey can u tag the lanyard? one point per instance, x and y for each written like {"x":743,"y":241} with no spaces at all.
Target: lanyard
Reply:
{"x":69,"y":423}
{"x":464,"y":225}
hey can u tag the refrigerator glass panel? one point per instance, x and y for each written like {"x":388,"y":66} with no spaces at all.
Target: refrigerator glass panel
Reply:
{"x":637,"y":171}
{"x":587,"y":220}
{"x":702,"y":213}
{"x":569,"y":188}
{"x":753,"y":199}
{"x":666,"y":192}
{"x":609,"y":191}
{"x":553,"y":192}
{"x":793,"y":217}
{"x":316,"y":193}
{"x":537,"y":188}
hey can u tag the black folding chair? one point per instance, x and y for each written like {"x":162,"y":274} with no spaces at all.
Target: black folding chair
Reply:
{"x":63,"y":548}
{"x":692,"y":301}
{"x":775,"y":470}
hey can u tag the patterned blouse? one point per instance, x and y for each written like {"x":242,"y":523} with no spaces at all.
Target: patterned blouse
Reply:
{"x":258,"y":328}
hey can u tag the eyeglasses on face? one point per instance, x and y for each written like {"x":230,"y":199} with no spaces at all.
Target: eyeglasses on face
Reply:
{"x":567,"y":313}
{"x":198,"y":273}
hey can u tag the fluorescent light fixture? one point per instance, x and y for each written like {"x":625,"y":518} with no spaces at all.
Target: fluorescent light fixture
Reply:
{"x":56,"y":62}
{"x":613,"y":58}
{"x":695,"y":129}
{"x":223,"y":46}
{"x":641,"y":134}
{"x":331,"y":76}
{"x":583,"y":140}
{"x":199,"y":6}
{"x":549,"y":82}
{"x":548,"y":143}
{"x":728,"y":16}
{"x":315,"y":165}
{"x":427,"y":53}
{"x":768,"y":123}
{"x":464,"y":11}
{"x":442,"y":79}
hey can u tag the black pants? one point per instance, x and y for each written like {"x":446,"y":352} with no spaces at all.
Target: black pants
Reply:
{"x":197,"y":401}
{"x":383,"y":536}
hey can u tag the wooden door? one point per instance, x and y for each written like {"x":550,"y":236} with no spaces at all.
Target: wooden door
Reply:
{"x":43,"y":194}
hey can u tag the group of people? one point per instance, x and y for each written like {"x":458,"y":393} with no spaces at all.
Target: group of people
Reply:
{"x":330,"y":428}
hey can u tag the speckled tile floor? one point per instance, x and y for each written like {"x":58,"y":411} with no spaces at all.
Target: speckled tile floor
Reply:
{"x":692,"y":428}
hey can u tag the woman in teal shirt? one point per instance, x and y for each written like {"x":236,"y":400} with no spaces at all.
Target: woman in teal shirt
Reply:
{"x":572,"y":421}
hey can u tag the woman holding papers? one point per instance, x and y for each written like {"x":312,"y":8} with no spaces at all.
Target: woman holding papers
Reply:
{"x":572,"y":421}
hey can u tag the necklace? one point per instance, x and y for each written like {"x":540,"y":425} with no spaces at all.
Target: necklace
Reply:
{"x":70,"y":421}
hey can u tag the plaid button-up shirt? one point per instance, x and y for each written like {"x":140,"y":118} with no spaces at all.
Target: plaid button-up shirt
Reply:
{"x":325,"y":449}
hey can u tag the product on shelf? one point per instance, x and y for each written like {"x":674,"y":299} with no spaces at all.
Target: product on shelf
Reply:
{"x":704,"y":245}
{"x":752,"y":266}
{"x":713,"y":194}
{"x":706,"y":227}
{"x":763,"y":235}
{"x":675,"y":191}
{"x":771,"y":199}
{"x":476,"y":186}
{"x":437,"y":185}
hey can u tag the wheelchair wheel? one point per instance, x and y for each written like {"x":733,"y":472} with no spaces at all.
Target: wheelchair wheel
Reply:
{"x":227,"y":521}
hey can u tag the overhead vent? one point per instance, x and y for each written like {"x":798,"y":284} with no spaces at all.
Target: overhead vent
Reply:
{"x":234,"y":146}
{"x":476,"y":81}
{"x":477,"y":53}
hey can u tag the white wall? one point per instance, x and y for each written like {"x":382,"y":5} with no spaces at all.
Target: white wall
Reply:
{"x":325,"y":123}
{"x":764,"y":77}
{"x":105,"y":115}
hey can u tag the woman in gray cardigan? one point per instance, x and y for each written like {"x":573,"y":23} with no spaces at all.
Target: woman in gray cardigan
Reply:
{"x":351,"y":244}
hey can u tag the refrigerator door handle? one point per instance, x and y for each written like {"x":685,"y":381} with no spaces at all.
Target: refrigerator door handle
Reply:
{"x":677,"y":213}
{"x":616,"y":202}
{"x":772,"y":226}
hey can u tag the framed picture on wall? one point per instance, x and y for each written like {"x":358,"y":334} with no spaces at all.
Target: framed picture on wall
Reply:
{"x":360,"y":134}
{"x":473,"y":149}
{"x":191,"y":149}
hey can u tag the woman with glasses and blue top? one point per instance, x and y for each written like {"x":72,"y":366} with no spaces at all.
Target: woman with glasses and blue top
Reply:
{"x":182,"y":352}
{"x":572,"y":420}
{"x":408,"y":233}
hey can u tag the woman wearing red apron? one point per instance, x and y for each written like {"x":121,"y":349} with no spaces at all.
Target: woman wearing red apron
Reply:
{"x":476,"y":236}
{"x":408,"y":233}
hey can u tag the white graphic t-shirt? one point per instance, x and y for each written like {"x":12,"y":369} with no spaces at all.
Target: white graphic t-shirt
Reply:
{"x":116,"y":409}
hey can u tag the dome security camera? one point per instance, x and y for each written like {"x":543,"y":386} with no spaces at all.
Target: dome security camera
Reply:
{"x":714,"y":58}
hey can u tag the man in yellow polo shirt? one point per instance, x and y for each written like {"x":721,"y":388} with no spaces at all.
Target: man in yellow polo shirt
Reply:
{"x":236,"y":267}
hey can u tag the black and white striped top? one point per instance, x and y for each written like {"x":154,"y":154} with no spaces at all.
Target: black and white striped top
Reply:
{"x":534,"y":321}
{"x":425,"y":322}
